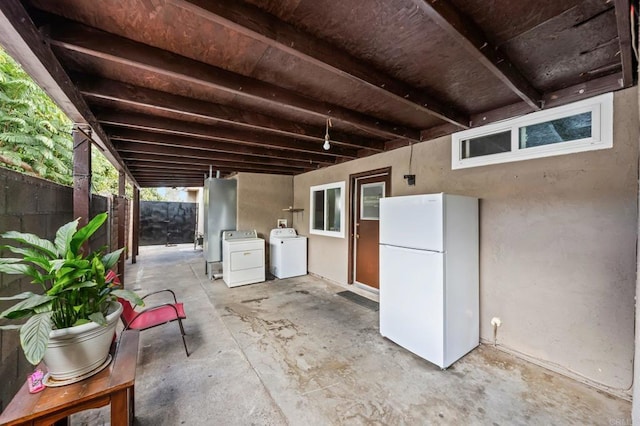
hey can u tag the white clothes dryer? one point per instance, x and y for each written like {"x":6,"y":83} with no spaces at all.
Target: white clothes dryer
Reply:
{"x":242,"y":258}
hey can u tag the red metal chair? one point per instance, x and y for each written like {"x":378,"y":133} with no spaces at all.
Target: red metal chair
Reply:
{"x":154,"y":315}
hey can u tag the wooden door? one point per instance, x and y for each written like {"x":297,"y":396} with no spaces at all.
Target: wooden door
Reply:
{"x":368,"y":192}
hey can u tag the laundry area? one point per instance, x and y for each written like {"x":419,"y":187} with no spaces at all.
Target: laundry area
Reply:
{"x":293,"y":351}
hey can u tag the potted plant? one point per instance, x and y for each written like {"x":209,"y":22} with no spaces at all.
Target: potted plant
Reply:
{"x":77,"y":296}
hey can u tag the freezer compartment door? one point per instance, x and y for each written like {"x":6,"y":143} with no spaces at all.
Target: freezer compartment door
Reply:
{"x":414,"y":221}
{"x":411,"y":300}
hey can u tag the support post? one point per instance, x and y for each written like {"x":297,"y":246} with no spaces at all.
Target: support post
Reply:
{"x":81,"y":174}
{"x":136,"y":224}
{"x":121,"y":223}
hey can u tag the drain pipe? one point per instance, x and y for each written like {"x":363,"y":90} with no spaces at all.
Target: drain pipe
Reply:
{"x":495,"y":322}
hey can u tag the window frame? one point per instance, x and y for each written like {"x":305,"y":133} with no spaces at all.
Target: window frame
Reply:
{"x":601,"y":108}
{"x":324,"y":188}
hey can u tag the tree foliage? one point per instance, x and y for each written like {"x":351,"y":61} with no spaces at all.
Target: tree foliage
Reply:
{"x":35,"y":135}
{"x":36,"y":139}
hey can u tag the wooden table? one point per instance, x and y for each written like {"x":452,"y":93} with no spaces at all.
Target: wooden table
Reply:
{"x":114,"y":385}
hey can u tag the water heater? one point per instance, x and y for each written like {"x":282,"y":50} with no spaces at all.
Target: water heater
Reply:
{"x":220,"y":212}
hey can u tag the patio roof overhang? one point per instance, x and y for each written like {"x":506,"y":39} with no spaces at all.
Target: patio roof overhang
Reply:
{"x":172,"y":87}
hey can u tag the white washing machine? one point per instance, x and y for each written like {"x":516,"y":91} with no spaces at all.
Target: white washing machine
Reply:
{"x":242,"y":258}
{"x":288,"y":253}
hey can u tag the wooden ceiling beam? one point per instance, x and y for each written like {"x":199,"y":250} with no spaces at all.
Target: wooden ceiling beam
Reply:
{"x":169,"y":164}
{"x":131,"y":152}
{"x":470,"y":36}
{"x":197,"y":130}
{"x":203,"y":163}
{"x":137,"y":169}
{"x":254,"y":23}
{"x":123,"y":134}
{"x":184,"y":128}
{"x":155,"y":183}
{"x":104,"y":46}
{"x":588,"y":89}
{"x":128,"y":94}
{"x":623,"y":22}
{"x":153,"y":148}
{"x":201,"y":170}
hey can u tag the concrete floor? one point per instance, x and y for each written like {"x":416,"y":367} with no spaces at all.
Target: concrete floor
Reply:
{"x":293,"y":352}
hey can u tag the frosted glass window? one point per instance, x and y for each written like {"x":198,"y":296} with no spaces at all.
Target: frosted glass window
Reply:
{"x":370,"y":194}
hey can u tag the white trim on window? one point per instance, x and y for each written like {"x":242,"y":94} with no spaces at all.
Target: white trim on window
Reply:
{"x":340,"y":205}
{"x":600,"y":107}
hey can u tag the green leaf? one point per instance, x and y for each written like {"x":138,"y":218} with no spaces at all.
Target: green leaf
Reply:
{"x":129,"y":296}
{"x":81,"y":322}
{"x":99,"y":318}
{"x":84,"y":284}
{"x":34,"y":337}
{"x":65,"y":280}
{"x":21,"y":296}
{"x":39,"y":261}
{"x":34,"y":241}
{"x":25,"y":252}
{"x":110,"y":259}
{"x":84,"y":233}
{"x":64,"y":236}
{"x":25,"y":307}
{"x":18,"y":269}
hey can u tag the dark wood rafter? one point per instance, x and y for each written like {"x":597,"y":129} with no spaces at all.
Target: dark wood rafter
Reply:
{"x":104,"y":46}
{"x":173,"y":87}
{"x":127,"y":94}
{"x":559,"y":97}
{"x":466,"y":33}
{"x":24,"y":42}
{"x":199,"y":170}
{"x":224,"y":169}
{"x":293,"y":151}
{"x":253,"y":22}
{"x":228,"y":137}
{"x":623,"y":22}
{"x":132,"y":151}
{"x":197,"y":130}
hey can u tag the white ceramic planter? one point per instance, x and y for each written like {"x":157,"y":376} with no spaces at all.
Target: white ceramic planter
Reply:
{"x":76,"y":351}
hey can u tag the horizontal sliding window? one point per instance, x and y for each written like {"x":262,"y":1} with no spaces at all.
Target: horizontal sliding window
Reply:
{"x":582,"y":126}
{"x":486,"y":145}
{"x":566,"y":129}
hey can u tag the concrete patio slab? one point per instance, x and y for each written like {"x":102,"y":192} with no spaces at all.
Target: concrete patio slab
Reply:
{"x":294,"y":352}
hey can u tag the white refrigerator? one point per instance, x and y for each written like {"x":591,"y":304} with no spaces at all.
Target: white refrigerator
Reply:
{"x":429,"y":275}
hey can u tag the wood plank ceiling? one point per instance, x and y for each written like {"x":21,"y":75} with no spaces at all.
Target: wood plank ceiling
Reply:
{"x":176,"y":86}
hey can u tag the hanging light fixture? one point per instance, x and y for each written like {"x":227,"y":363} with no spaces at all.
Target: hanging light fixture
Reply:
{"x":326,"y":145}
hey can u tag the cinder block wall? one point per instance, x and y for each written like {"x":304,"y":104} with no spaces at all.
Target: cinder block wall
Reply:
{"x":40,"y":207}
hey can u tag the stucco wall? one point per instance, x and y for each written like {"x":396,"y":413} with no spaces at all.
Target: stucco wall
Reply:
{"x":557,"y":244}
{"x":261,"y":198}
